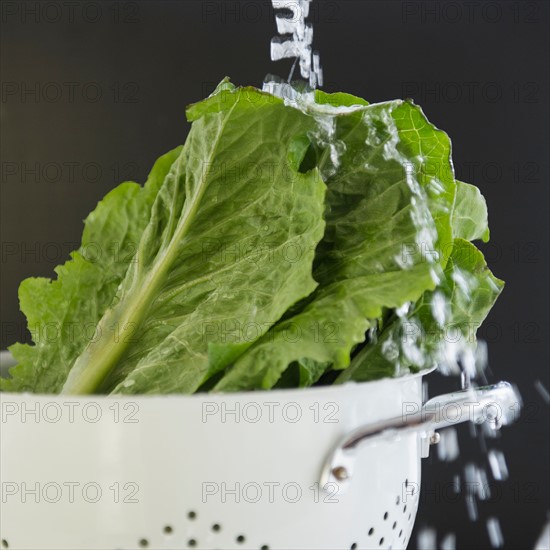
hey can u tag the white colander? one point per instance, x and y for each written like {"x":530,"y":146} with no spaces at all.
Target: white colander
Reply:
{"x":320,"y":468}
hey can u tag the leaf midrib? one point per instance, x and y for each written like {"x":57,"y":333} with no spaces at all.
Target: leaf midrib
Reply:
{"x":100,"y":358}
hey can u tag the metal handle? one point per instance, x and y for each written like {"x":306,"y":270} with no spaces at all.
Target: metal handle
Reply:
{"x":498,"y":405}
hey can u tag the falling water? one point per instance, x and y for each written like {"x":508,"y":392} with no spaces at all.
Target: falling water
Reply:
{"x":296,"y":38}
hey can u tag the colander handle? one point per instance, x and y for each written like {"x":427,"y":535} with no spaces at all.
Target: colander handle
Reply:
{"x":498,"y":404}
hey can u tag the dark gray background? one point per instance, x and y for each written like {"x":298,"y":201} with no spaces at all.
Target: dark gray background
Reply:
{"x":479,"y":69}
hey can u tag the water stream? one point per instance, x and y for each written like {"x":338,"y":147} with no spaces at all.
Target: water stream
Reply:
{"x":295,"y":40}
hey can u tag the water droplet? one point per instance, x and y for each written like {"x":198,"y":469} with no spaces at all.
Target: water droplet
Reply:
{"x":497,"y":462}
{"x":448,"y":449}
{"x":539,"y":386}
{"x":495,"y":532}
{"x":427,"y":539}
{"x":449,"y":542}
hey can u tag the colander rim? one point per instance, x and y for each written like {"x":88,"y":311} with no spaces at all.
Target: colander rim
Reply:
{"x":317,"y":391}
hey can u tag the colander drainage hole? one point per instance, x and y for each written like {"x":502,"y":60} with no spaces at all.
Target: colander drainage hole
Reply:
{"x":5,"y":543}
{"x":371,"y":531}
{"x":144,"y":543}
{"x":216,"y":527}
{"x":397,"y":500}
{"x":192,"y":543}
{"x":168,"y":530}
{"x":353,"y":546}
{"x":394,"y":525}
{"x":385,"y":515}
{"x":381,"y":541}
{"x":404,"y":508}
{"x":191,"y":514}
{"x":241,"y":539}
{"x":400,"y":533}
{"x":264,"y":547}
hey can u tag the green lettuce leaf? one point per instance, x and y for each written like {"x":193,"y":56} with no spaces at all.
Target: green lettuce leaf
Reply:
{"x":390,"y":194}
{"x":315,"y":239}
{"x":338,"y":99}
{"x":229,"y":246}
{"x":439,"y":327}
{"x":469,"y":219}
{"x":62,"y":314}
